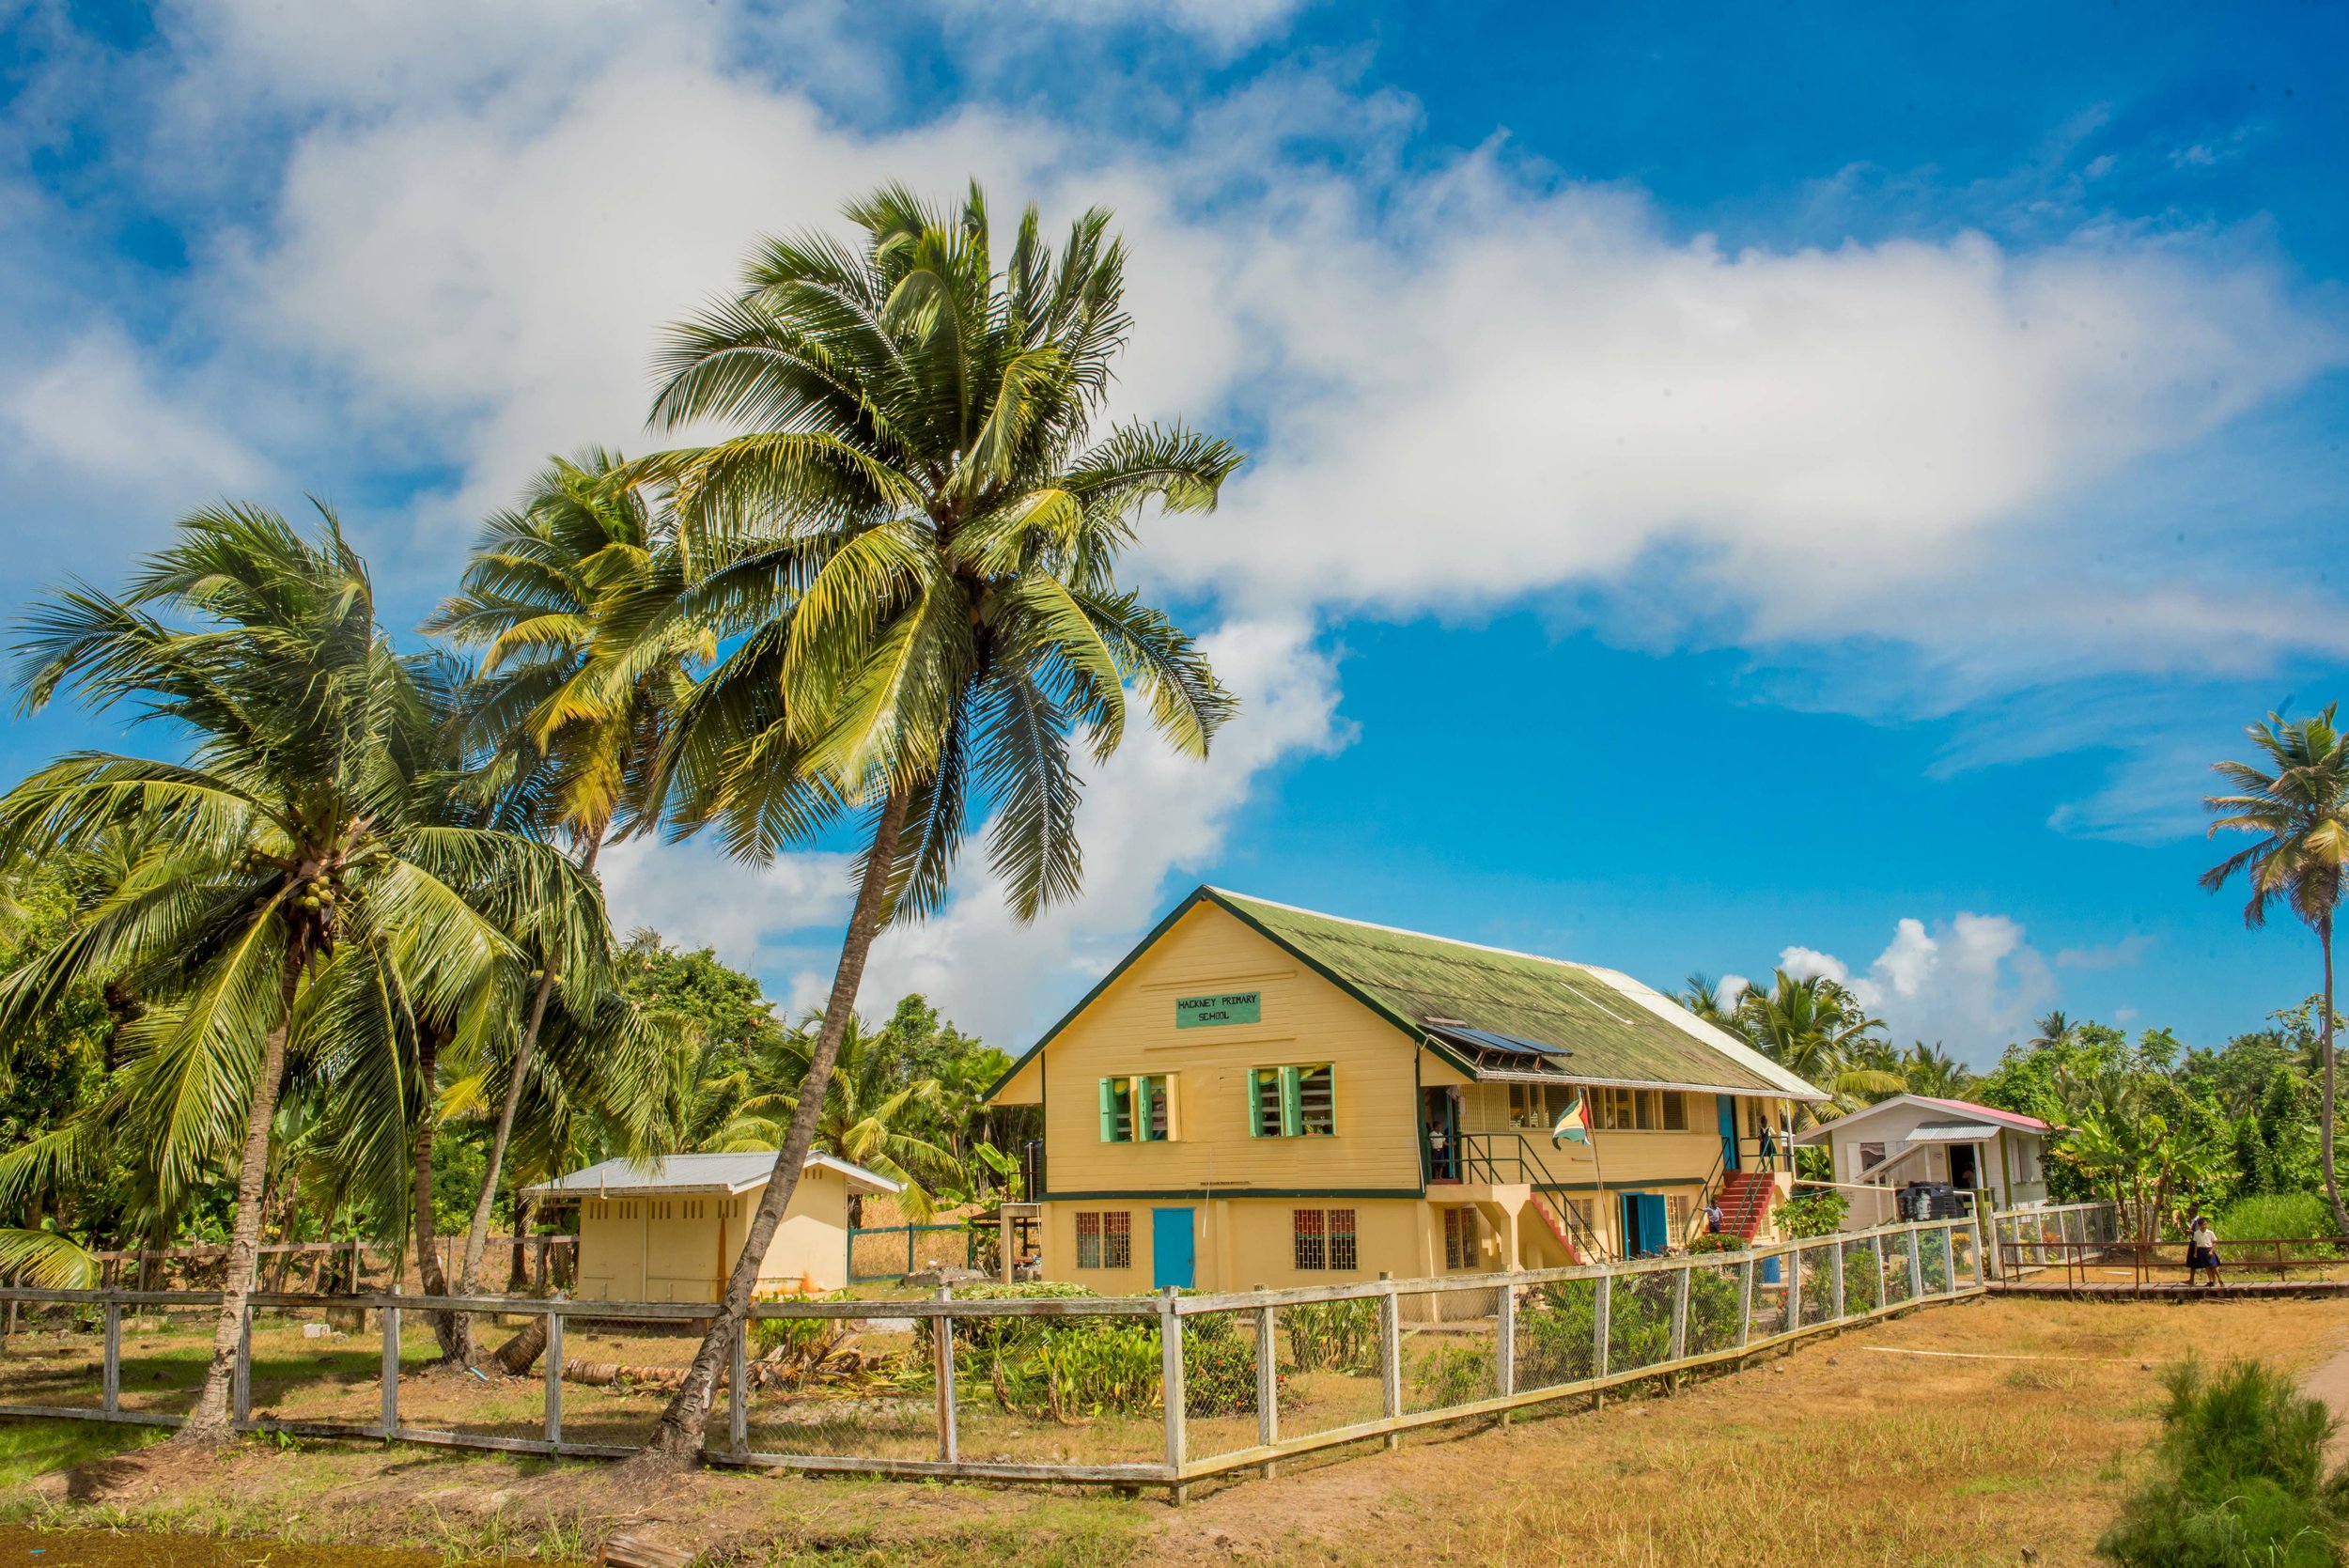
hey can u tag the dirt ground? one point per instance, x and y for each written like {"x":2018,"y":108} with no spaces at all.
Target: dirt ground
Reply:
{"x":1956,"y":1435}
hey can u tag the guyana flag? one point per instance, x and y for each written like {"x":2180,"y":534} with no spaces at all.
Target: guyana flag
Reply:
{"x":1573,"y":1124}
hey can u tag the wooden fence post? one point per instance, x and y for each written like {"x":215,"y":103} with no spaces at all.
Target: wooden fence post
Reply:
{"x":1793,"y":1288}
{"x":942,"y":1358}
{"x":1390,"y":1354}
{"x":1916,"y":1266}
{"x":1680,"y":1312}
{"x":1601,"y":1307}
{"x":1505,"y":1345}
{"x":391,"y":1370}
{"x":110,"y":1376}
{"x":1267,"y":1383}
{"x":1835,"y":1268}
{"x":738,"y":1392}
{"x":1745,"y":1301}
{"x":554,"y":1353}
{"x":240,"y":1382}
{"x":1875,"y":1247}
{"x":1170,"y":1389}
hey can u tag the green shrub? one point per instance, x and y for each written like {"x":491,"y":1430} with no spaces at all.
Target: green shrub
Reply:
{"x":1719,"y":1242}
{"x":1454,"y":1375}
{"x":1338,"y":1336}
{"x":1810,"y":1214}
{"x":2238,"y":1479}
{"x":1937,"y":1245}
{"x":2288,"y":1215}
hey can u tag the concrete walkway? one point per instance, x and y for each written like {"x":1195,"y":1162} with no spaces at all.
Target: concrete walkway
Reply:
{"x":2330,"y":1382}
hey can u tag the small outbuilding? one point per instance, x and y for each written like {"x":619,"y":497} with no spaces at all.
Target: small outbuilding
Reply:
{"x":1997,"y":1155}
{"x":669,"y":1230}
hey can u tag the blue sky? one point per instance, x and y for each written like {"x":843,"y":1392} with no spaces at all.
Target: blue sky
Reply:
{"x":1732,"y":484}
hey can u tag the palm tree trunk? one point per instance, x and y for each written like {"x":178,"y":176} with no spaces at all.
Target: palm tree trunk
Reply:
{"x":478,"y":1234}
{"x":2325,"y":1038}
{"x":453,"y":1331}
{"x":677,"y":1442}
{"x":208,"y":1422}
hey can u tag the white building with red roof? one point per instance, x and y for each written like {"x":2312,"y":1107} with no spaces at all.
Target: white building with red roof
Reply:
{"x":1920,"y":1138}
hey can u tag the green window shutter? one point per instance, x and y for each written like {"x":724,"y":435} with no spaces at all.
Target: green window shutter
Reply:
{"x":1255,"y":1102}
{"x":1292,"y":1105}
{"x":1109,"y":1110}
{"x":1142,"y":1110}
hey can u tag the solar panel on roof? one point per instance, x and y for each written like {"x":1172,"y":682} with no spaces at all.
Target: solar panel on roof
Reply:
{"x":1486,"y":1039}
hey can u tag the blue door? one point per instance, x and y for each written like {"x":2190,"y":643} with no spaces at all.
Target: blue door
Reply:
{"x":1729,"y":1130}
{"x":1644,"y":1225}
{"x":1172,"y":1259}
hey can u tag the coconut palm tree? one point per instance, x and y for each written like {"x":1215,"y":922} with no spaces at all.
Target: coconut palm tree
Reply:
{"x":297,"y":839}
{"x":871,"y":1116}
{"x":1816,"y":1028}
{"x":2298,"y":806}
{"x":569,"y":748}
{"x":1929,"y":1070}
{"x":1705,"y":999}
{"x":909,"y":560}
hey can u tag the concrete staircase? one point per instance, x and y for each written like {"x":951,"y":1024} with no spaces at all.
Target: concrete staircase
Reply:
{"x":1746,"y":1200}
{"x":1558,"y":1228}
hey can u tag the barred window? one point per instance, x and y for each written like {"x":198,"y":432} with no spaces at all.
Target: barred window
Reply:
{"x":1104,"y":1240}
{"x":1313,"y":1250}
{"x":1460,"y":1238}
{"x":1323,"y":1238}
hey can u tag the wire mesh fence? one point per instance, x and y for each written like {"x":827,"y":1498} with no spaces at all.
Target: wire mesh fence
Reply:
{"x":1163,"y":1390}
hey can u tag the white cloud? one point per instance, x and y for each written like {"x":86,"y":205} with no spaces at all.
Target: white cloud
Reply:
{"x":94,"y":411}
{"x":1805,"y":963}
{"x":761,"y":921}
{"x":2111,"y":955}
{"x":1227,"y":23}
{"x":1972,"y":984}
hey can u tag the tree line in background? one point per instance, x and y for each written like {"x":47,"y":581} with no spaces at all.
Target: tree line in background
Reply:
{"x":2148,"y":1123}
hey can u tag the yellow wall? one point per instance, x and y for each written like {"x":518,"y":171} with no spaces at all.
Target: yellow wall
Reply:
{"x":1129,"y":1028}
{"x":1242,"y":1242}
{"x":679,"y":1247}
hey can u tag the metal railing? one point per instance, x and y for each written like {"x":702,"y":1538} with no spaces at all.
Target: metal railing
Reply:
{"x":2140,"y":1265}
{"x":1161,"y":1390}
{"x":2022,"y":1239}
{"x":875,"y":1253}
{"x":1498,"y":1158}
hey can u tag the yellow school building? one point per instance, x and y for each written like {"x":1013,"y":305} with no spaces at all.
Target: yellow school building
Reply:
{"x":668,"y":1230}
{"x":1259,"y":1094}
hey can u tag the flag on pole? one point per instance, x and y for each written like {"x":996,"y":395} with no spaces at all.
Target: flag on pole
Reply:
{"x":1573,"y":1124}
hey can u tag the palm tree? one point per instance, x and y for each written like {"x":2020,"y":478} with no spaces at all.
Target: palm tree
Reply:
{"x":2054,"y":1029}
{"x":1703,"y":998}
{"x":871,"y":1114}
{"x":292,"y":845}
{"x":910,"y":562}
{"x":1815,"y":1029}
{"x":2300,"y":806}
{"x":1929,"y":1070}
{"x":569,"y":745}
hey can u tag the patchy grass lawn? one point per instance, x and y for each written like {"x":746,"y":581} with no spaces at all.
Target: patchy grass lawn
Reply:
{"x":2023,"y":1429}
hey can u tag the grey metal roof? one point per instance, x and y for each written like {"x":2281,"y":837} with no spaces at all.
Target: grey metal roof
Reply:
{"x":728,"y":1174}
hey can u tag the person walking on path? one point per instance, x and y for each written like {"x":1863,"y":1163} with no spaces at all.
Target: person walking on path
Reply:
{"x":2202,"y":1248}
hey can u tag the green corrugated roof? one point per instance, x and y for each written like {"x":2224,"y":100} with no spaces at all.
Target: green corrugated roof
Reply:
{"x":1416,"y":979}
